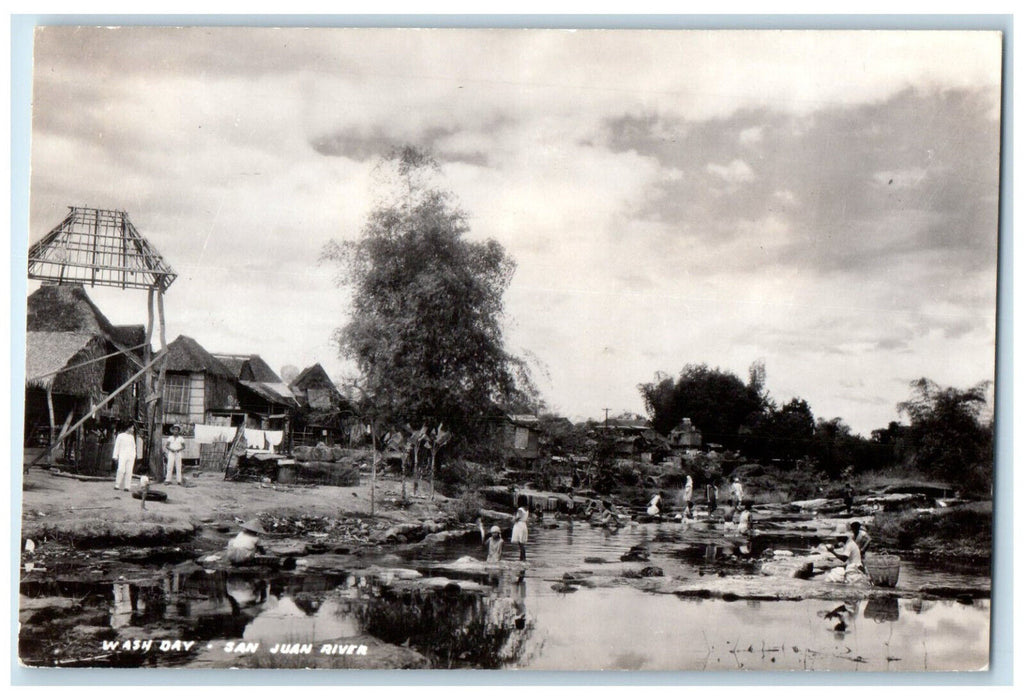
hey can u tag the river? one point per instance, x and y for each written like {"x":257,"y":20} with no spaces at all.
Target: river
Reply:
{"x":540,"y":619}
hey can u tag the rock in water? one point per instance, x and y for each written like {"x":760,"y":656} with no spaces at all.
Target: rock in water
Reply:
{"x":636,"y":553}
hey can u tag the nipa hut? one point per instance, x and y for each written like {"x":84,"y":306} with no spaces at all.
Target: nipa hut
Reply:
{"x":266,"y":400}
{"x":75,"y":359}
{"x":325,"y":415}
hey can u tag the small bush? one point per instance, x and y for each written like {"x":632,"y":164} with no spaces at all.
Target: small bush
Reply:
{"x":465,"y":507}
{"x":964,"y":530}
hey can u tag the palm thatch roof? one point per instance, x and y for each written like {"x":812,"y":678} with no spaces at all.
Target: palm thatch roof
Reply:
{"x":67,"y":308}
{"x":98,"y":247}
{"x":184,"y":354}
{"x":249,"y":368}
{"x":315,"y":390}
{"x":314,"y":377}
{"x":47,"y":352}
{"x":273,"y":392}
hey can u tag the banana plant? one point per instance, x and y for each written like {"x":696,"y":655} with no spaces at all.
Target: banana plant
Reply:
{"x":397,"y":441}
{"x":438,"y":439}
{"x":416,"y":439}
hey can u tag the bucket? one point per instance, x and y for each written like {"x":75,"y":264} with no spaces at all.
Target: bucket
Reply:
{"x":883,"y":569}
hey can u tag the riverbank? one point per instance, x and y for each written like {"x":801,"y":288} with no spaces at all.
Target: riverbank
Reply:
{"x":63,"y":513}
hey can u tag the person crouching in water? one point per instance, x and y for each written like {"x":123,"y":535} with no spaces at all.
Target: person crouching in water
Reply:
{"x":520,"y":533}
{"x":847,"y":551}
{"x":654,"y":507}
{"x":493,"y":543}
{"x":244,"y":547}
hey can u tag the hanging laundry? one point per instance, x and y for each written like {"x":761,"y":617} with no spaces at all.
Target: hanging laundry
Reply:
{"x":254,"y":439}
{"x":213,"y":433}
{"x":274,"y":438}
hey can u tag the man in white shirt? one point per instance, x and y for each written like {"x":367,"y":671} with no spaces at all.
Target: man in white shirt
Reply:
{"x":124,"y":456}
{"x":175,"y":446}
{"x":853,"y":571}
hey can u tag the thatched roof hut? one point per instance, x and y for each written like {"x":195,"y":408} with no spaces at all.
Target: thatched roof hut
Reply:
{"x":65,"y":328}
{"x":253,"y":373}
{"x":315,"y":390}
{"x":76,"y":360}
{"x":67,"y":308}
{"x":48,"y":352}
{"x":184,"y":354}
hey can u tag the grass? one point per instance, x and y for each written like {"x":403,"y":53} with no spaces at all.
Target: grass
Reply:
{"x":964,"y":531}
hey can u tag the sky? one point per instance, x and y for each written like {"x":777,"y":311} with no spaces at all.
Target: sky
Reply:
{"x":824,"y":202}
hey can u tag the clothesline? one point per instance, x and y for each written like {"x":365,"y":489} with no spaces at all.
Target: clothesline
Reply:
{"x":255,"y":439}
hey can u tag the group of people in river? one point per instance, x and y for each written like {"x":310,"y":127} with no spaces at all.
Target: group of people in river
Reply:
{"x":849,"y":549}
{"x":494,"y":543}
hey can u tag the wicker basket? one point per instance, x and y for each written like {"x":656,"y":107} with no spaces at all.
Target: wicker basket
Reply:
{"x":883,"y":569}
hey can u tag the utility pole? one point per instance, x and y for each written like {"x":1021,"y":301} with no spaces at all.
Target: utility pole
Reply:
{"x":606,"y":417}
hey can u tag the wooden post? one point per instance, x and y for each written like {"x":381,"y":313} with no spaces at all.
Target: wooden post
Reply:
{"x":53,"y":424}
{"x":157,"y":430}
{"x":373,"y":467}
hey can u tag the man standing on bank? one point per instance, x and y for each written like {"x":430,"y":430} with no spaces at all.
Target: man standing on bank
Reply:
{"x":124,"y":456}
{"x":175,"y":446}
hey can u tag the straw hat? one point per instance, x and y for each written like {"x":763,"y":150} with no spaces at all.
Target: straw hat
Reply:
{"x":495,"y":529}
{"x":253,"y":526}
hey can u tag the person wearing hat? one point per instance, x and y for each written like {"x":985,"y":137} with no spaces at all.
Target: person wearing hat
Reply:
{"x":492,"y":542}
{"x":244,"y":546}
{"x":174,"y":447}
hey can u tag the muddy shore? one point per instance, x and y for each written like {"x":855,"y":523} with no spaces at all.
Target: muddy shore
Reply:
{"x":86,"y":534}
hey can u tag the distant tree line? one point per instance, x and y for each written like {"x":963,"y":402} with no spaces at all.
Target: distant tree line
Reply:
{"x":946,"y":438}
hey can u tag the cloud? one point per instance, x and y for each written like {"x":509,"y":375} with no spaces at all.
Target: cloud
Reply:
{"x":669,"y":197}
{"x":735,"y":172}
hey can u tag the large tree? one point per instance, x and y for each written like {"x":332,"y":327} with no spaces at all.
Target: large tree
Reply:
{"x":425,"y":328}
{"x":948,"y":436}
{"x":780,"y":433}
{"x":717,"y":402}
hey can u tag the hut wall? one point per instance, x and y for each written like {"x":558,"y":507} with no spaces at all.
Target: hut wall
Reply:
{"x":195,"y":405}
{"x":220,"y":393}
{"x":119,"y":369}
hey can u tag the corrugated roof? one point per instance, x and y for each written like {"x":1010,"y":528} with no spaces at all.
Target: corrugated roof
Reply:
{"x":526,"y":420}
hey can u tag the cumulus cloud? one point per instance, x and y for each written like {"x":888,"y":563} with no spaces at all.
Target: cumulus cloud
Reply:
{"x":670,"y":197}
{"x":735,"y":171}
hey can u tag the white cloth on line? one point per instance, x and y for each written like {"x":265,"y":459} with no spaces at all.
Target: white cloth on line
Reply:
{"x":254,"y":439}
{"x":214,"y":433}
{"x":274,"y":437}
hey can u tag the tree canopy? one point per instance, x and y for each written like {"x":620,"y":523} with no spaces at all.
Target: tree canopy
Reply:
{"x":427,"y":304}
{"x":947,"y":436}
{"x":717,"y":402}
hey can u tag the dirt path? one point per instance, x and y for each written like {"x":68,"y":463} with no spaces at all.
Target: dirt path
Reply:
{"x":52,"y":504}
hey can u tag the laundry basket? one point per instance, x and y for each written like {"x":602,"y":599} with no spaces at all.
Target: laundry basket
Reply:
{"x":883,"y":569}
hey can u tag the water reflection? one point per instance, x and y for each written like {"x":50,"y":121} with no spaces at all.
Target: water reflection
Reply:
{"x":494,"y":619}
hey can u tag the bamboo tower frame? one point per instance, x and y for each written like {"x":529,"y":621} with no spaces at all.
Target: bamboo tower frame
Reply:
{"x":102,"y":248}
